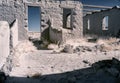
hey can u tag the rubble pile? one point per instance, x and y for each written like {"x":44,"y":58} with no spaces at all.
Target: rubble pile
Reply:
{"x":98,"y":47}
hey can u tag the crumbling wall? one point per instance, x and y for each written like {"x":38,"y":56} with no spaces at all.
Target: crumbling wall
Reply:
{"x":14,"y":34}
{"x":4,"y":42}
{"x":52,"y":19}
{"x":75,"y":31}
{"x":96,"y":20}
{"x":11,"y":10}
{"x":56,"y":36}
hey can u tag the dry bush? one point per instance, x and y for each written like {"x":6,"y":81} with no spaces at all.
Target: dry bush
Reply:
{"x":107,"y":40}
{"x":36,"y":75}
{"x":109,"y":44}
{"x":107,"y":48}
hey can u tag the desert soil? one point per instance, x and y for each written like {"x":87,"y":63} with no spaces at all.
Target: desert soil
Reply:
{"x":30,"y":62}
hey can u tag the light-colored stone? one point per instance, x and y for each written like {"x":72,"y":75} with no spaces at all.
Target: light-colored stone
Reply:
{"x":14,"y":34}
{"x":4,"y":41}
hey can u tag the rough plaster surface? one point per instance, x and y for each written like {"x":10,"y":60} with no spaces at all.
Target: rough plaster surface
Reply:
{"x":4,"y":42}
{"x":14,"y":34}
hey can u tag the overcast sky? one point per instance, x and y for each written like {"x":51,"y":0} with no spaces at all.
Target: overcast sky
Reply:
{"x":101,"y":2}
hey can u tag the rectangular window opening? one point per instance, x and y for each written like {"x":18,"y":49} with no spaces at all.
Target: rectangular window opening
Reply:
{"x":105,"y":22}
{"x":88,"y":24}
{"x":34,"y":18}
{"x":67,"y":18}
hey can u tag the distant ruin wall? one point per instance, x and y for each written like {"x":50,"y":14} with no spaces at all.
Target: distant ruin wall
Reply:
{"x":4,"y":42}
{"x":96,"y":20}
{"x":34,"y":35}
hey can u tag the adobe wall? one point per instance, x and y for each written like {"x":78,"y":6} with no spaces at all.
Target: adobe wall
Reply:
{"x":96,"y":23}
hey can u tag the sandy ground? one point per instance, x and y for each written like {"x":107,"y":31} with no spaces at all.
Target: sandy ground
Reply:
{"x":30,"y":61}
{"x":44,"y":62}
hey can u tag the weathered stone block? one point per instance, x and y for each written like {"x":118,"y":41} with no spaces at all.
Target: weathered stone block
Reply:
{"x":4,"y":41}
{"x":14,"y":33}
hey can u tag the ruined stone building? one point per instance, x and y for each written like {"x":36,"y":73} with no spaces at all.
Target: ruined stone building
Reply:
{"x":60,"y":20}
{"x":103,"y":23}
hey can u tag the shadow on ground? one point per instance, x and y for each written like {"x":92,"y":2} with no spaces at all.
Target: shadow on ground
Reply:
{"x":106,"y":71}
{"x":40,"y":45}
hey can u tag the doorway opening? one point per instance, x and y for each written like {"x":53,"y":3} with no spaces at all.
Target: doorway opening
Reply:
{"x":34,"y":19}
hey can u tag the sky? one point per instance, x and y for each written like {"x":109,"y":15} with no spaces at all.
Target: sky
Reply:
{"x":34,"y":12}
{"x":34,"y":19}
{"x":102,"y":2}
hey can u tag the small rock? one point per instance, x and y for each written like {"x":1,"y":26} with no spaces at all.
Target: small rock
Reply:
{"x":68,"y":49}
{"x":77,"y":49}
{"x":52,"y":46}
{"x":93,"y":40}
{"x":86,"y":61}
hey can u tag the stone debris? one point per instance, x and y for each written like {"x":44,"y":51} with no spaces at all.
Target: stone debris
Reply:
{"x":98,"y":47}
{"x":52,"y":46}
{"x":68,"y":49}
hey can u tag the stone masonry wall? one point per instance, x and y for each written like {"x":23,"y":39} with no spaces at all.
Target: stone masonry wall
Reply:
{"x":96,"y":23}
{"x":57,"y":21}
{"x":4,"y":42}
{"x":11,"y":10}
{"x":14,"y":34}
{"x":52,"y":18}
